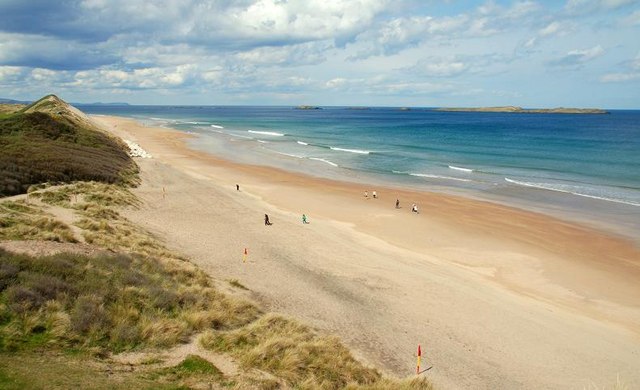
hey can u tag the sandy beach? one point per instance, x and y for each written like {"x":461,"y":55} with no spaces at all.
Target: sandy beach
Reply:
{"x":498,"y":298}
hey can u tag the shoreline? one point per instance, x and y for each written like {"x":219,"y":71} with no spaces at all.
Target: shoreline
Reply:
{"x":616,"y":217}
{"x":532,"y":259}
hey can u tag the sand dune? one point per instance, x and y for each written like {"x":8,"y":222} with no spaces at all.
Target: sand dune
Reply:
{"x":497,"y":297}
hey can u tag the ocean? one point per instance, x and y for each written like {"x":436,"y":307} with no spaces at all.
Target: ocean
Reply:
{"x":583,"y":167}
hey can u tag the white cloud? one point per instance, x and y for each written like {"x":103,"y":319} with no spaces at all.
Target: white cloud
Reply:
{"x":531,"y":42}
{"x":274,"y":22}
{"x":586,"y":6}
{"x":632,"y":72}
{"x":587,"y":54}
{"x":578,"y":57}
{"x":620,"y":77}
{"x":336,"y":83}
{"x":440,"y":67}
{"x":633,"y":19}
{"x":10,"y":73}
{"x":397,"y":34}
{"x":42,"y":74}
{"x":144,"y":78}
{"x":302,"y":54}
{"x":551,"y":29}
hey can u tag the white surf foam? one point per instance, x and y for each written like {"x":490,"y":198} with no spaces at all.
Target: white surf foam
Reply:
{"x":461,"y":168}
{"x":358,"y":151}
{"x":239,"y":136}
{"x":272,"y":133}
{"x":324,"y":161}
{"x":568,"y":189}
{"x":437,"y":177}
{"x":302,"y":143}
{"x":263,"y":142}
{"x":289,"y":155}
{"x":217,"y":126}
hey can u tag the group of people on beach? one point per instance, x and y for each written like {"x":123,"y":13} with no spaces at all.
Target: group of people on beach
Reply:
{"x":414,"y":207}
{"x":267,"y":222}
{"x":374,"y":194}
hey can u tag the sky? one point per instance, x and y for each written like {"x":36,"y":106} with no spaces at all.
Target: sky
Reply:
{"x":418,"y":53}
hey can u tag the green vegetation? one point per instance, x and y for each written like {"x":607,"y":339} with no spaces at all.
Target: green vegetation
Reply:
{"x":112,"y":301}
{"x":22,"y":221}
{"x":299,"y":356}
{"x":57,"y":370}
{"x":58,"y":146}
{"x":193,"y":367}
{"x":8,"y":109}
{"x":293,"y":352}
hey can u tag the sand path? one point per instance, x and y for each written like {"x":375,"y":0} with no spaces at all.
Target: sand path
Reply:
{"x":492,"y":298}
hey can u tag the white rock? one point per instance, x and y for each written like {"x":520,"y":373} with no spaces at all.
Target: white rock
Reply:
{"x":136,"y":151}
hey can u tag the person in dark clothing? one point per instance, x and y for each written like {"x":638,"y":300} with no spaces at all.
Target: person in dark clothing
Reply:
{"x":397,"y":203}
{"x":237,"y":187}
{"x":266,"y":220}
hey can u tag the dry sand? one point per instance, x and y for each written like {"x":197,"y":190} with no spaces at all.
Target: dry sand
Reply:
{"x":497,"y":297}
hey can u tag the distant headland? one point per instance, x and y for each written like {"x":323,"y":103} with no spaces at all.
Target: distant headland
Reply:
{"x":520,"y":110}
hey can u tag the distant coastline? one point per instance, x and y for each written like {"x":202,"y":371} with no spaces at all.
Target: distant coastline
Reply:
{"x":520,"y":110}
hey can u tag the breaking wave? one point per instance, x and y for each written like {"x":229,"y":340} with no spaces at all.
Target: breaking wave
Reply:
{"x":358,"y":151}
{"x":272,"y":133}
{"x":324,"y":161}
{"x":569,"y":189}
{"x":461,"y":168}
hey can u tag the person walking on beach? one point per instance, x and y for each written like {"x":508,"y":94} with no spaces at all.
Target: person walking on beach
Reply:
{"x":397,"y":203}
{"x":304,"y":219}
{"x":414,"y":209}
{"x":266,"y":220}
{"x":237,"y":187}
{"x":366,"y":194}
{"x":375,"y":195}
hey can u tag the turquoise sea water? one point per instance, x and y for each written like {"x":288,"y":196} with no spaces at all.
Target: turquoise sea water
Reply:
{"x":583,"y":166}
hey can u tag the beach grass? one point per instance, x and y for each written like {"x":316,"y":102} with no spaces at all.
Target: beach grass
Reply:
{"x":293,"y":352}
{"x":40,"y":147}
{"x":112,"y":301}
{"x":192,"y":367}
{"x":22,"y":221}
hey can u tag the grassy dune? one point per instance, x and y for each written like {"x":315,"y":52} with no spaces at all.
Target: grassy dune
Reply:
{"x":50,"y":142}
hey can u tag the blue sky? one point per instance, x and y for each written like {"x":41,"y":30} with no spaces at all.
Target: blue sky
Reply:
{"x":577,"y":53}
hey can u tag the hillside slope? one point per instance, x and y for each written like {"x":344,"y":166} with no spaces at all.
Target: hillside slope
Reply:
{"x":51,"y":141}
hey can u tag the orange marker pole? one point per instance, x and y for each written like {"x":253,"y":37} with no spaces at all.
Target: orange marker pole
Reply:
{"x":418,"y":365}
{"x":244,"y":256}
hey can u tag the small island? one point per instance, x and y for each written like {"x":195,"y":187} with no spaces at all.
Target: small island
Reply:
{"x":308,"y":108}
{"x":520,"y":110}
